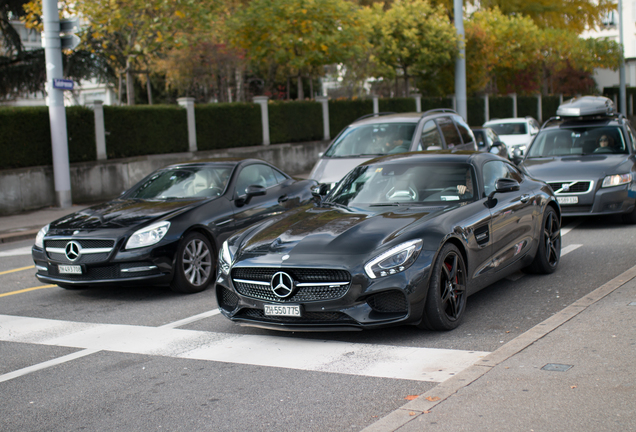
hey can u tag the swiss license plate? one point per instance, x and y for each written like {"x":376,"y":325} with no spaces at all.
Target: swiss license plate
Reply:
{"x":278,"y":310}
{"x":568,"y":200}
{"x":69,"y":269}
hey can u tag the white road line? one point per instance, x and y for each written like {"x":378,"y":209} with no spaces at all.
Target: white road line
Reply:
{"x":46,"y":364}
{"x":419,"y":364}
{"x":191,"y":319}
{"x":569,"y":248}
{"x":16,"y":252}
{"x":567,"y":229}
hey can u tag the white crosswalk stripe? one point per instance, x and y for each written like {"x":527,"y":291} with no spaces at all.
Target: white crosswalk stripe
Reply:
{"x":411,"y":363}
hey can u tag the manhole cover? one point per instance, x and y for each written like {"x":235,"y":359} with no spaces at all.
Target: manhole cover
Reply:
{"x":555,"y":367}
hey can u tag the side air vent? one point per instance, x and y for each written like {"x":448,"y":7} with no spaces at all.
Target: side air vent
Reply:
{"x":482,"y":235}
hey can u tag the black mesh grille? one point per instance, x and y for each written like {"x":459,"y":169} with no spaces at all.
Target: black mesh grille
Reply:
{"x":390,"y":301}
{"x":300,"y":276}
{"x":105,"y":272}
{"x":227,"y":299}
{"x":90,"y":244}
{"x":577,"y":187}
{"x":83,"y":259}
{"x":576,"y":209}
{"x":306,"y":318}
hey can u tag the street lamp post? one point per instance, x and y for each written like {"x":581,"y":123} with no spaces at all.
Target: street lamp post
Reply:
{"x":57,"y":112}
{"x":621,"y":70}
{"x":460,"y":63}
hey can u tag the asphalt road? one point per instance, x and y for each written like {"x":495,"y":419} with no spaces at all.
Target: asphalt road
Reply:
{"x":149,"y":359}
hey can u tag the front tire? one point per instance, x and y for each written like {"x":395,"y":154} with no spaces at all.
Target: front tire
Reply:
{"x":446,"y":300}
{"x":549,"y":251}
{"x":195,"y":264}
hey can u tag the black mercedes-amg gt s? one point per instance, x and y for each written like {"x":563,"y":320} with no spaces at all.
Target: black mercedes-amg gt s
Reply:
{"x":402,"y":239}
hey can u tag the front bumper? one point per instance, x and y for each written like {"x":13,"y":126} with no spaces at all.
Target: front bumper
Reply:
{"x":602,"y":201}
{"x":145,"y":266}
{"x":365,"y":304}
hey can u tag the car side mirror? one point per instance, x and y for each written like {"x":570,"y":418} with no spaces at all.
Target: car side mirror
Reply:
{"x":250,"y":191}
{"x":321,"y":154}
{"x":503,"y":185}
{"x":320,"y":190}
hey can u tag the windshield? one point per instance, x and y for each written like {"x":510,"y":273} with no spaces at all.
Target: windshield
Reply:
{"x":184,"y":182}
{"x":509,"y":128}
{"x":405,"y":183}
{"x":373,"y":139}
{"x":578,"y":141}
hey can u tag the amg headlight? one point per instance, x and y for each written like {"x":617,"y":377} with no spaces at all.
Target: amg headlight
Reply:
{"x":394,"y":260}
{"x":148,"y":236}
{"x":616,"y":180}
{"x":39,"y":238}
{"x":225,"y":258}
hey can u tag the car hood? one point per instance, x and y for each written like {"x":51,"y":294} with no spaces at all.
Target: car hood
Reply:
{"x":332,"y":170}
{"x":119,"y":214}
{"x":591,"y":167}
{"x":334,"y":234}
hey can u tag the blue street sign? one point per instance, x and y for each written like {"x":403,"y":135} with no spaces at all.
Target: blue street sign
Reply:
{"x":62,"y":84}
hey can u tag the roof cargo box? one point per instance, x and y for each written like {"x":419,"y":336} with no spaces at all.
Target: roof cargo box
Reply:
{"x":586,"y":106}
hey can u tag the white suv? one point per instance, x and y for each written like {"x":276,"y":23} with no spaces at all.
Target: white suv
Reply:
{"x":516,"y":133}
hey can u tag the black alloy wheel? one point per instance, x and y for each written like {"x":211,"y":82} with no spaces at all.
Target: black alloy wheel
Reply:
{"x":549,"y":251}
{"x":446,"y":300}
{"x":195,"y":266}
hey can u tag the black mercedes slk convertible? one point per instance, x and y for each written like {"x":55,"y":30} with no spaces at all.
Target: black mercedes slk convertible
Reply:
{"x":402,"y":239}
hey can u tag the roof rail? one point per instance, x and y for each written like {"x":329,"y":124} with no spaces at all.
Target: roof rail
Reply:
{"x":439,"y":110}
{"x":551,"y":119}
{"x":374,"y":115}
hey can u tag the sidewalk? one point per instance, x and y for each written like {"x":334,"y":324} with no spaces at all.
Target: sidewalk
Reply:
{"x":26,"y":225}
{"x":576,"y":371}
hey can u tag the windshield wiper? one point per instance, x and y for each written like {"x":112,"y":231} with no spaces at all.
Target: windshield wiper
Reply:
{"x":334,"y":204}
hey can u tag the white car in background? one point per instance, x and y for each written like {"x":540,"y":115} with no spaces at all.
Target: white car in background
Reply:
{"x":516,"y":133}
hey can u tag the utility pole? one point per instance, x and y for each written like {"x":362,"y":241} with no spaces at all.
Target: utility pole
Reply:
{"x":460,"y":63}
{"x":621,"y":71}
{"x":57,"y":112}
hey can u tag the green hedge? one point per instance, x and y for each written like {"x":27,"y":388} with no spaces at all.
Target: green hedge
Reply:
{"x":25,"y":136}
{"x":143,"y":130}
{"x":476,"y":107}
{"x":343,"y":112}
{"x":549,"y":105}
{"x":227,"y":125}
{"x":397,"y":105}
{"x":294,"y":121}
{"x":528,"y":106}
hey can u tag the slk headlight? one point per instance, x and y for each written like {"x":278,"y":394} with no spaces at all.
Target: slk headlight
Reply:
{"x":616,"y":180}
{"x":394,"y":260}
{"x":39,"y":239}
{"x":148,"y":236}
{"x":225,"y":258}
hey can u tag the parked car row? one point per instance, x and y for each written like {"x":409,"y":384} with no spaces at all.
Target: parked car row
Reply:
{"x":404,"y":217}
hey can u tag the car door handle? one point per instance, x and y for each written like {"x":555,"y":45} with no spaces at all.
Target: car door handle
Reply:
{"x":283,"y":198}
{"x":525,"y":198}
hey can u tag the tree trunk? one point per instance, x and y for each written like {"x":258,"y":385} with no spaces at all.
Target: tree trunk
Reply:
{"x":311,"y":87}
{"x":301,"y":93}
{"x":288,"y":87}
{"x":238,"y":77}
{"x":407,"y":84}
{"x":130,"y":87}
{"x":149,"y":89}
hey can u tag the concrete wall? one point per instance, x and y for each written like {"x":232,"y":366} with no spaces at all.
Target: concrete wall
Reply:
{"x":33,"y":188}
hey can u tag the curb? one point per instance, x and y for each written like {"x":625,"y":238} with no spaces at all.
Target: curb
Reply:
{"x":425,"y":402}
{"x":8,"y":237}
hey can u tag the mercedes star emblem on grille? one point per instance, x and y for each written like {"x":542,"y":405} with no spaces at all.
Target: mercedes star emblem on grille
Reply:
{"x":282,"y":284}
{"x":72,"y":250}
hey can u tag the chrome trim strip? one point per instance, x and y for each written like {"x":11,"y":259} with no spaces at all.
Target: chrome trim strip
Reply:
{"x":138,"y":269}
{"x":572,"y":183}
{"x":42,"y":268}
{"x":335,"y":284}
{"x":224,"y":222}
{"x":82,"y":251}
{"x":252,"y":282}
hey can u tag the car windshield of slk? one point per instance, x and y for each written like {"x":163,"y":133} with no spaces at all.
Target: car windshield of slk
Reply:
{"x":372,"y":140}
{"x":509,"y":128}
{"x":184,"y":182}
{"x":586,"y":140}
{"x":405,"y":183}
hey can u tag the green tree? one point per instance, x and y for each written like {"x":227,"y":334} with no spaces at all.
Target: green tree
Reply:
{"x":301,"y":36}
{"x":412,"y":38}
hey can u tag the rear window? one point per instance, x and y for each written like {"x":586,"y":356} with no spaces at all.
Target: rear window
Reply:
{"x":509,"y":128}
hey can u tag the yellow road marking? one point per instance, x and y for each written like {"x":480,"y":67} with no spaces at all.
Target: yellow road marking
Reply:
{"x":17,"y":270}
{"x":26,"y":290}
